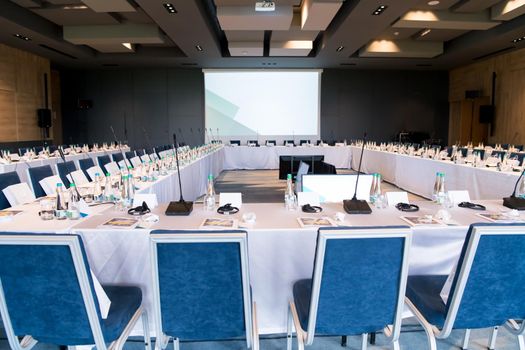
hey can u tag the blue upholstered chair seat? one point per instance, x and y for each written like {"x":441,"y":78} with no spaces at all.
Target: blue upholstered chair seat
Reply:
{"x":423,"y":292}
{"x":124,"y":303}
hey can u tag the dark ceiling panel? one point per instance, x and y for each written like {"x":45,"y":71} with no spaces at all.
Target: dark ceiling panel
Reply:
{"x":75,"y":17}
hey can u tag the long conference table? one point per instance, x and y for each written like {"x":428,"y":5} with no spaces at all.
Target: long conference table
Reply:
{"x":22,"y":166}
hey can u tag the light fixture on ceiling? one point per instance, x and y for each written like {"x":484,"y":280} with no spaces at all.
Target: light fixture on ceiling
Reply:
{"x":379,"y":10}
{"x":340,"y":48}
{"x":264,"y":6}
{"x":396,"y":33}
{"x":128,"y":46}
{"x":517,"y":40}
{"x":433,"y":2}
{"x":199,"y":48}
{"x":170,"y":8}
{"x":22,"y":37}
{"x":74,"y":7}
{"x":425,"y":32}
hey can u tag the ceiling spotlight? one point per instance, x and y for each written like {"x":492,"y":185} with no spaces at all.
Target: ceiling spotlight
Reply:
{"x":170,"y":8}
{"x":517,"y":40}
{"x":74,"y":7}
{"x":21,"y":37}
{"x":425,"y":32}
{"x":433,"y":2}
{"x":127,"y":46}
{"x":396,"y":33}
{"x":264,"y":6}
{"x":198,"y":47}
{"x":379,"y":10}
{"x":340,"y":48}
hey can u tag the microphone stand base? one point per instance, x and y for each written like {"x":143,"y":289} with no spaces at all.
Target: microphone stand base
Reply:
{"x":356,"y":206}
{"x":514,"y":203}
{"x":179,"y":208}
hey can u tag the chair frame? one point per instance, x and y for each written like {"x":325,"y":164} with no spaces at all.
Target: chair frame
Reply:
{"x":250,"y":317}
{"x":72,"y":241}
{"x":434,"y":332}
{"x":392,"y":332}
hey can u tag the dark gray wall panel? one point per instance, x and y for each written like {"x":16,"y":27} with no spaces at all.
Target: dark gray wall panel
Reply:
{"x":164,"y":101}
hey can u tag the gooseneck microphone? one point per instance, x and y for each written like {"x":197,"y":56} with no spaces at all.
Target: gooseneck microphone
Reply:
{"x":119,"y":148}
{"x":514,"y":202}
{"x":354,"y":205}
{"x":180,"y":208}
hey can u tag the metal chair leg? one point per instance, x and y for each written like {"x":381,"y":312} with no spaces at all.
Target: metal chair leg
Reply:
{"x":344,"y":341}
{"x":364,"y":341}
{"x":395,"y":345}
{"x":289,"y":335}
{"x":466,"y":339}
{"x":176,"y":344}
{"x":521,"y":342}
{"x":492,"y":339}
{"x":373,"y":338}
{"x":145,"y":326}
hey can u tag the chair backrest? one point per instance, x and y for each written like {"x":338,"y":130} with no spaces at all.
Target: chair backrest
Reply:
{"x":36,"y":174}
{"x":303,"y":170}
{"x":304,"y":142}
{"x":253,"y":142}
{"x":481,"y":153}
{"x":85,"y":164}
{"x":349,"y":264}
{"x":46,"y":289}
{"x":289,"y":142}
{"x":271,"y":142}
{"x":487,"y":288}
{"x":130,"y":154}
{"x":103,"y":160}
{"x":235,"y":142}
{"x":117,"y":157}
{"x":499,"y":154}
{"x":140,"y":152}
{"x":201,"y":284}
{"x":6,"y":180}
{"x":519,"y":155}
{"x":64,"y":169}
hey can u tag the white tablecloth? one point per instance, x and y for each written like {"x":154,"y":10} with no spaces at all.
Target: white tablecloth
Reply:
{"x":244,"y":157}
{"x":280,"y":252}
{"x":21,"y":167}
{"x":417,"y":175}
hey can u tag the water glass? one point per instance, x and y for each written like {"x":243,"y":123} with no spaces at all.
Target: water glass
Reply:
{"x":47,"y":210}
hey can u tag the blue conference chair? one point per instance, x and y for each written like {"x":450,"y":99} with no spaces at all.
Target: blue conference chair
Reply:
{"x":201,"y":287}
{"x":481,"y":153}
{"x":464,"y":151}
{"x":85,"y":164}
{"x":64,"y":169}
{"x":304,"y":142}
{"x":140,"y":152}
{"x":6,"y":180}
{"x":117,"y":157}
{"x":520,"y":156}
{"x":289,"y":142}
{"x":499,"y":154}
{"x":235,"y":142}
{"x":486,"y":290}
{"x":35,"y":175}
{"x":349,"y":264}
{"x":519,"y":147}
{"x":130,"y":154}
{"x":47,"y":295}
{"x":102,"y":161}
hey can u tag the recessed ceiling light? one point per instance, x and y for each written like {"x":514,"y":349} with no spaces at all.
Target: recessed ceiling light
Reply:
{"x":198,"y":47}
{"x":396,"y":33}
{"x":425,"y":32}
{"x":433,"y":2}
{"x":379,"y":10}
{"x":75,"y":7}
{"x":244,"y":53}
{"x":22,"y":37}
{"x":340,"y":48}
{"x":517,"y":40}
{"x":170,"y":8}
{"x":127,"y":46}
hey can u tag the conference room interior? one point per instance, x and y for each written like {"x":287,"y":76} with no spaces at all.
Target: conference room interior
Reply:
{"x":231,"y":174}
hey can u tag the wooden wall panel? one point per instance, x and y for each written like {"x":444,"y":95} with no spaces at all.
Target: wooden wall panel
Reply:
{"x":21,"y":93}
{"x":509,"y":125}
{"x":7,"y":116}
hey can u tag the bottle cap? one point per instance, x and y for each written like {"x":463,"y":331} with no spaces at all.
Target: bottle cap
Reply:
{"x":59,"y":184}
{"x":210,"y":177}
{"x":72,"y":185}
{"x":289,"y":177}
{"x":107,"y":174}
{"x":97,"y":174}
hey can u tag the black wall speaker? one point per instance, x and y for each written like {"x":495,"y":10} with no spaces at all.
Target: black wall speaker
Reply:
{"x":44,"y":118}
{"x":84,"y":104}
{"x":472,"y":94}
{"x":486,"y":114}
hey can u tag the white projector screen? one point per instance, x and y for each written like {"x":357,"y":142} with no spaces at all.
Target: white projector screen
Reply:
{"x":248,"y":104}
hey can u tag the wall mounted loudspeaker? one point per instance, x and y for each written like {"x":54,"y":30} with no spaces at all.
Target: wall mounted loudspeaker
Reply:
{"x":44,"y":118}
{"x":486,"y":114}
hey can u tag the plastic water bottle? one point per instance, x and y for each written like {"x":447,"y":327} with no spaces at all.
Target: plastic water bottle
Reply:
{"x":73,"y":212}
{"x":441,"y":190}
{"x":436,"y":188}
{"x":108,"y":189}
{"x":209,"y":198}
{"x":61,"y":206}
{"x":97,"y":189}
{"x":124,"y":192}
{"x":377,"y":195}
{"x":373,"y":189}
{"x":290,"y":200}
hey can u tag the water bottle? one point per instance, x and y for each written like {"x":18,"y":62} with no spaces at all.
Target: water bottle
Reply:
{"x":290,"y":201}
{"x":108,"y":189}
{"x":124,"y":192}
{"x":73,"y":212}
{"x":61,"y":206}
{"x":521,"y":189}
{"x":373,"y":189}
{"x":377,"y":195}
{"x":436,"y":188}
{"x":97,"y":189}
{"x":441,"y":191}
{"x":209,"y":199}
